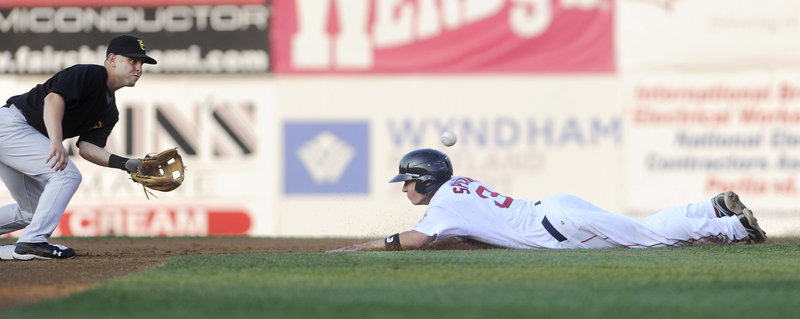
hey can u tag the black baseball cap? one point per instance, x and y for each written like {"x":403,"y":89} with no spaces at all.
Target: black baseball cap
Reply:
{"x":129,"y":46}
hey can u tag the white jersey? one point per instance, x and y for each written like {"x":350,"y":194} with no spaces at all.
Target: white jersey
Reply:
{"x":465,"y":207}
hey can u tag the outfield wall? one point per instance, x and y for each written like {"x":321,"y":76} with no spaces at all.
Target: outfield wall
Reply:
{"x":525,"y":136}
{"x":650,"y":104}
{"x":268,"y":157}
{"x":222,"y":126}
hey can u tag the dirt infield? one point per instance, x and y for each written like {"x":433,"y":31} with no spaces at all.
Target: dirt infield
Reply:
{"x":99,"y":259}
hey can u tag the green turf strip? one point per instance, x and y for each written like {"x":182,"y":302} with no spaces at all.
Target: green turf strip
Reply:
{"x":741,"y":281}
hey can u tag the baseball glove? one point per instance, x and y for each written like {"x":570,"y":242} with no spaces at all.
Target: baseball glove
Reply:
{"x":162,"y":172}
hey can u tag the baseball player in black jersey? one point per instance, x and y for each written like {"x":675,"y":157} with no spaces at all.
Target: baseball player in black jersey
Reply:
{"x":77,"y":101}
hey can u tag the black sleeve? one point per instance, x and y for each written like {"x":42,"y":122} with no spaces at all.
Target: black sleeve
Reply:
{"x":99,"y":136}
{"x":71,"y":83}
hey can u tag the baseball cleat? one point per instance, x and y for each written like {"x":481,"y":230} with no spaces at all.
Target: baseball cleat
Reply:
{"x":755,"y":233}
{"x":728,"y":204}
{"x":28,"y":251}
{"x":7,"y":252}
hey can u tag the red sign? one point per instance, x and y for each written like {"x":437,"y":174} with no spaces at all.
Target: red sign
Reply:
{"x":447,"y":36}
{"x":122,"y":3}
{"x":148,"y":221}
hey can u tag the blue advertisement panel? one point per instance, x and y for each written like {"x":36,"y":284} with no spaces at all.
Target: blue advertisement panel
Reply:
{"x":326,"y":158}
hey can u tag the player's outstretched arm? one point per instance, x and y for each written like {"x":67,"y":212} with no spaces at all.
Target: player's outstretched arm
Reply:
{"x":100,"y":156}
{"x":408,"y":240}
{"x":93,"y":153}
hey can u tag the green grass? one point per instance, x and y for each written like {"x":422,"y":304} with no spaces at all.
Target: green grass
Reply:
{"x":741,"y":281}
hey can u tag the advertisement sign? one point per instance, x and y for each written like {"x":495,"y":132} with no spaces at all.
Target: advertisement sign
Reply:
{"x":331,"y":158}
{"x":184,"y":220}
{"x":525,"y":139}
{"x":450,"y":36}
{"x":184,"y":36}
{"x":702,"y":134}
{"x":707,"y":34}
{"x":222,"y":127}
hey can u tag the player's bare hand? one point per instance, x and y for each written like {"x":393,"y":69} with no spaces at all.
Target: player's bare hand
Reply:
{"x":341,"y":250}
{"x":58,"y":158}
{"x":370,"y":245}
{"x":347,"y":249}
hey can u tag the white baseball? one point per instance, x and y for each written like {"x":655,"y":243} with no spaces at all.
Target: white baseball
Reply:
{"x":448,"y":138}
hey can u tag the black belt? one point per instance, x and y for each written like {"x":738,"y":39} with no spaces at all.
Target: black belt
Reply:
{"x":550,"y":229}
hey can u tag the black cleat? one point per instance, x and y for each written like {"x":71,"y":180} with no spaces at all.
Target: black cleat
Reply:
{"x":728,"y":204}
{"x":28,"y":251}
{"x":755,"y":233}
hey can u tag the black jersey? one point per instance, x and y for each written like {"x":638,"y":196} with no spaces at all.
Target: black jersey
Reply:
{"x":90,"y":109}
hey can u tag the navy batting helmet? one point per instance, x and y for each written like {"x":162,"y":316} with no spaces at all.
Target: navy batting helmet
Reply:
{"x":429,"y":167}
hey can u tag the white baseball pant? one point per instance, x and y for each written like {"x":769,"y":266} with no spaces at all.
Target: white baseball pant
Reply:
{"x":41,"y":193}
{"x":584,"y":225}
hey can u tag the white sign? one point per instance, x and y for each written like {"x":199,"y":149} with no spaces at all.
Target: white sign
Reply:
{"x":700,"y":135}
{"x":707,"y":34}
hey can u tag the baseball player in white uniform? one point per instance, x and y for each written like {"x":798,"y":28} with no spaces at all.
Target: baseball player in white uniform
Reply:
{"x":77,"y":101}
{"x":463,"y":207}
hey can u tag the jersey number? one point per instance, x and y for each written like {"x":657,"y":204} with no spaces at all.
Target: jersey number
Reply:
{"x":483,"y":191}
